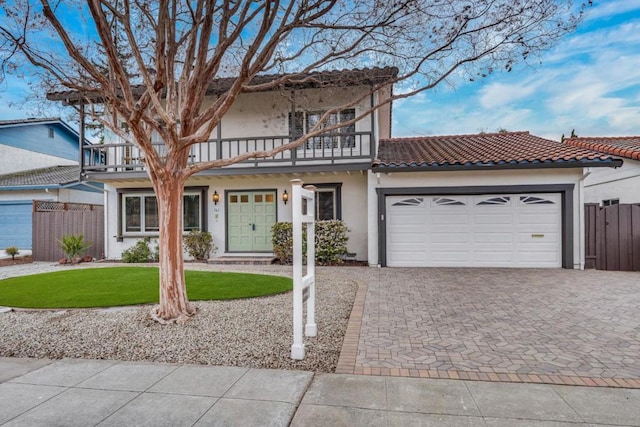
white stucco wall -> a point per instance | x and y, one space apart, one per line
267 113
354 200
16 159
621 183
474 179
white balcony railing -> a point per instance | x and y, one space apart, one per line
331 148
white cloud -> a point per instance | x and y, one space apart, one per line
609 8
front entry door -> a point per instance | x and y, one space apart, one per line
250 217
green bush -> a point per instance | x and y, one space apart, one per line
73 246
331 242
140 252
282 239
12 251
199 244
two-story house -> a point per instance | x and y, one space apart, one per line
39 160
503 200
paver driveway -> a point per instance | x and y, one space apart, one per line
498 324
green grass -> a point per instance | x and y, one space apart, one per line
116 286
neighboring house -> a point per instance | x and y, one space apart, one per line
612 186
38 161
501 200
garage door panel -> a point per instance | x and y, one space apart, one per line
450 219
441 238
406 220
492 258
483 230
407 238
492 219
450 259
15 224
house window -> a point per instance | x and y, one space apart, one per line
328 201
140 213
51 133
610 202
341 137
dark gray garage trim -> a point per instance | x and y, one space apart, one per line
566 191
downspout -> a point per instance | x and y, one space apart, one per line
581 220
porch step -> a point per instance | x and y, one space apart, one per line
228 260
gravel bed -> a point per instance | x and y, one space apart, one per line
254 332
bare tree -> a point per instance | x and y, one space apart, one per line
151 64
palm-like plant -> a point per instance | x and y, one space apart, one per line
73 246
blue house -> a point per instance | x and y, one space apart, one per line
39 160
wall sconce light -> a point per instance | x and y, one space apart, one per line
285 197
215 197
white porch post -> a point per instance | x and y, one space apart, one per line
303 286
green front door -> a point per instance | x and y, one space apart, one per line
250 215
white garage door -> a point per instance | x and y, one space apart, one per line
514 230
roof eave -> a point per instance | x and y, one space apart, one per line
614 163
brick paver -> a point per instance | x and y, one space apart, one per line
511 325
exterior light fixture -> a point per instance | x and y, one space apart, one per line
215 197
285 197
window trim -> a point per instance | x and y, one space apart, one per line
338 133
336 188
610 202
143 192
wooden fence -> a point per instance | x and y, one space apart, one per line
52 220
612 237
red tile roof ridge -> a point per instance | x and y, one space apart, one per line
603 137
408 138
624 146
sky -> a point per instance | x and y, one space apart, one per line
590 82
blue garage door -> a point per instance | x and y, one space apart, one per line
15 224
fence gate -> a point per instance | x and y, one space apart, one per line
612 237
52 220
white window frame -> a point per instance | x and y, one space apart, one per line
334 137
142 196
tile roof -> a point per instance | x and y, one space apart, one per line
51 176
327 78
623 146
499 150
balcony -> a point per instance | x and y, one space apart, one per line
330 149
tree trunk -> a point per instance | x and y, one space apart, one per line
174 305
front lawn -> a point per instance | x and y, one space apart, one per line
117 286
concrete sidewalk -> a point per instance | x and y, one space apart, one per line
75 392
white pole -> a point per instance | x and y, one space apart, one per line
297 348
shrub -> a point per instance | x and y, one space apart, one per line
331 242
13 251
73 246
282 239
140 252
199 244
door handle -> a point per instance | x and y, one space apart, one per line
253 227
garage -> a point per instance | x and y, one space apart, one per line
15 224
485 230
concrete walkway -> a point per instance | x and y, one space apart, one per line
75 392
